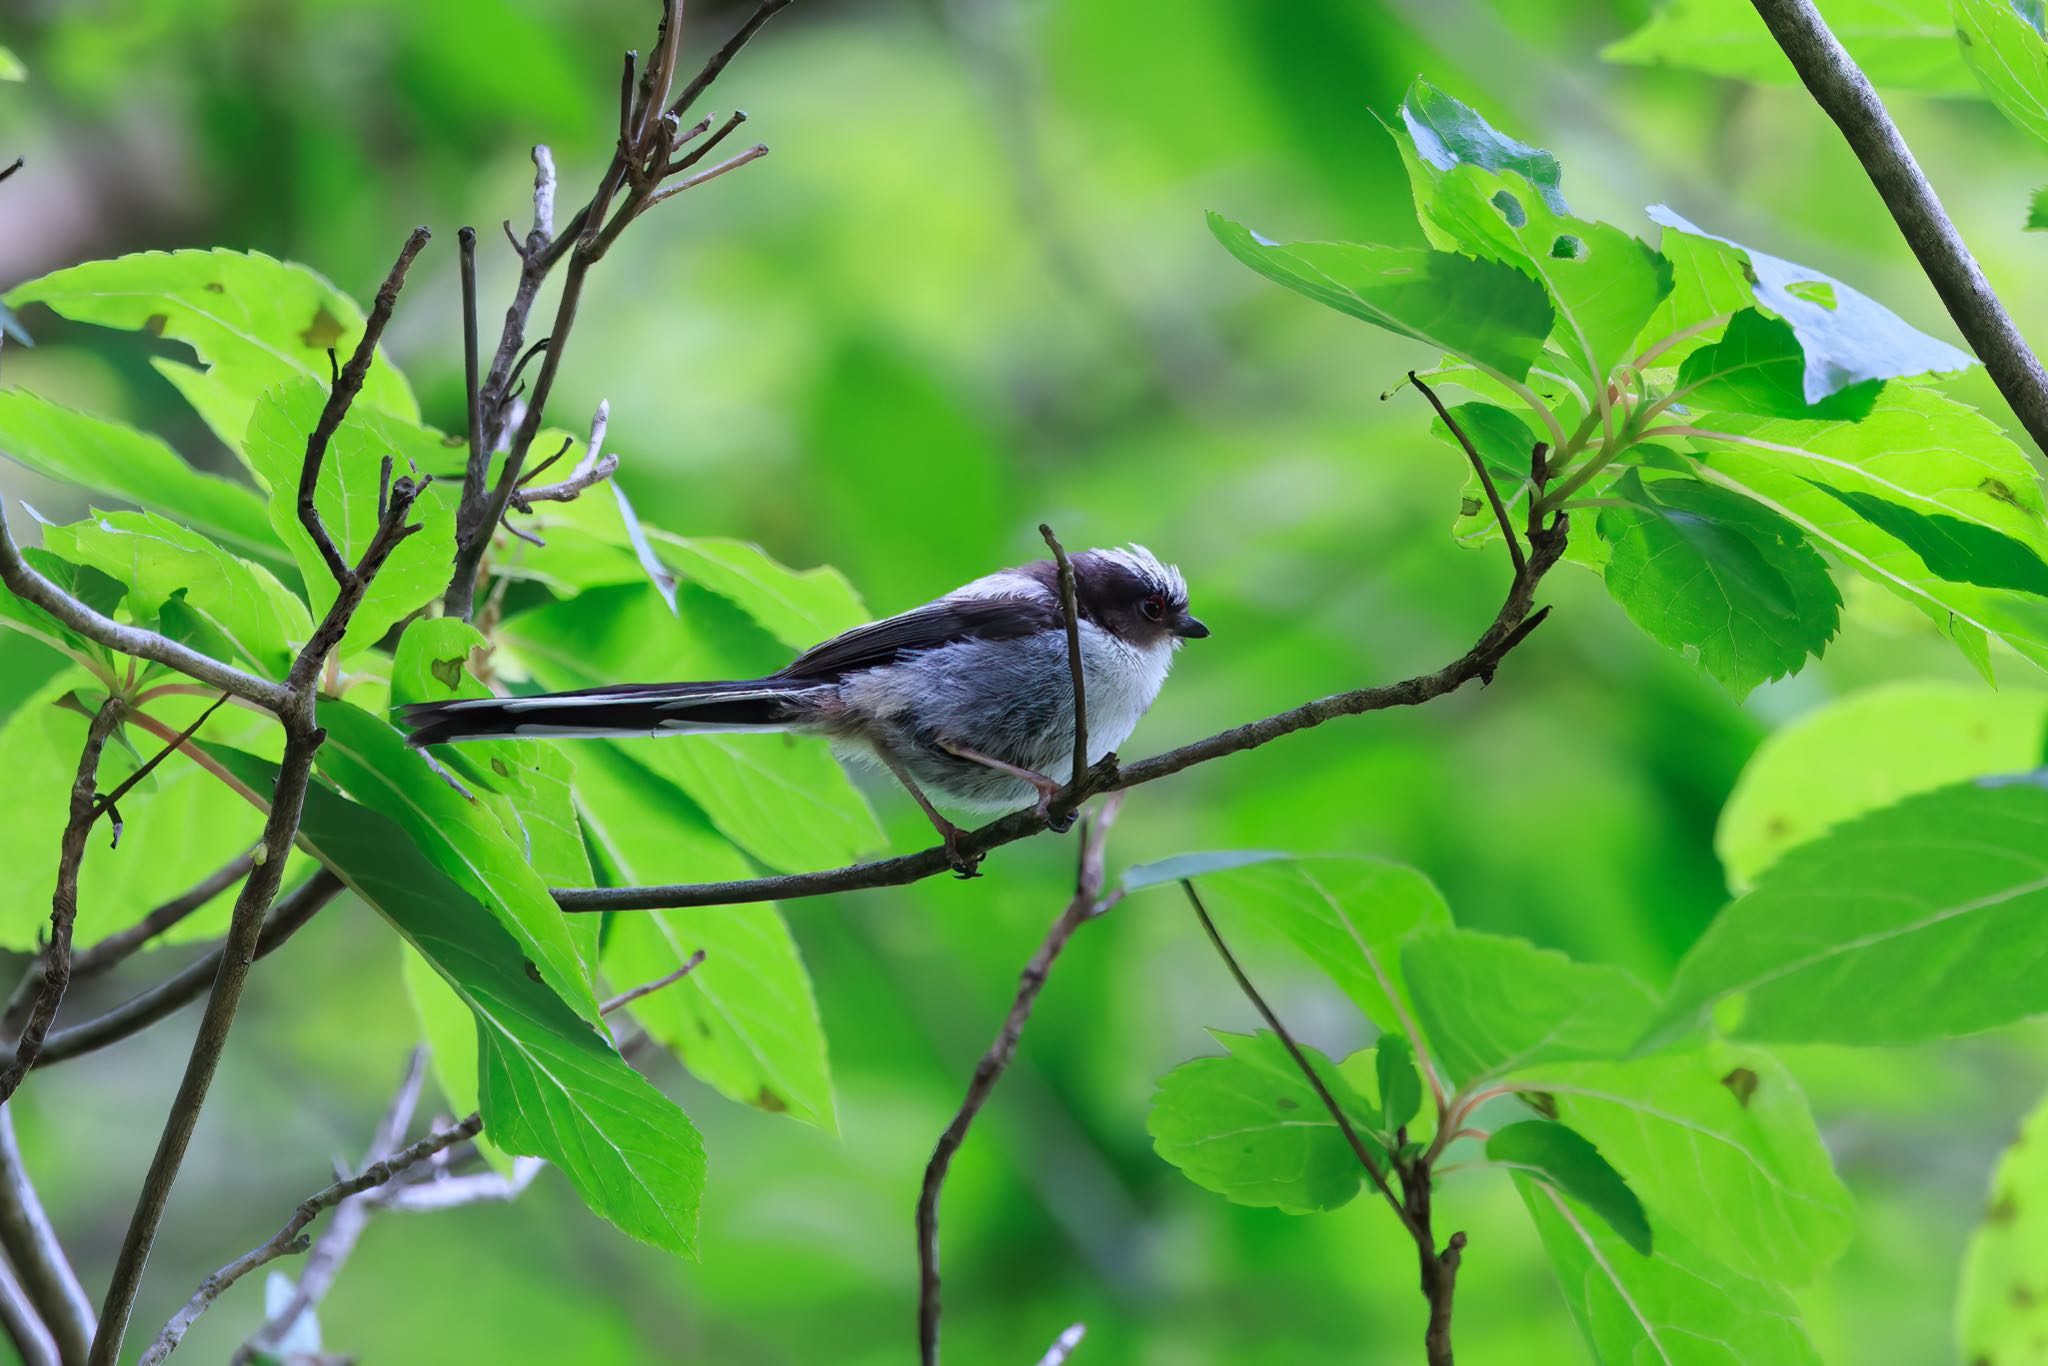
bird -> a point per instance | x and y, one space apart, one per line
969 696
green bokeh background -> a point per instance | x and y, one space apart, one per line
970 290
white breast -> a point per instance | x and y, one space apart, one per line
1122 681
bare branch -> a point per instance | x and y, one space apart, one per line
64 902
1509 628
109 801
1063 1346
626 998
30 1241
1071 611
11 168
1500 511
722 58
543 194
449 1192
346 386
1841 89
18 1319
600 425
1088 880
478 468
754 153
709 145
287 1240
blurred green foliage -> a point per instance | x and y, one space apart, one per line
972 289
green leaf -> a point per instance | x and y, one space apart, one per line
242 603
255 321
2001 1312
1493 1006
1250 1128
181 824
745 1020
1921 921
1447 134
351 477
1717 576
549 1084
373 764
1505 442
1400 1084
1485 312
109 458
1181 867
1719 1143
1348 913
1848 338
1553 1153
11 68
1900 44
1603 284
1678 1308
89 585
2037 212
1759 367
2007 55
781 798
1865 751
799 607
1956 550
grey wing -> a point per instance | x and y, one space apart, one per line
945 622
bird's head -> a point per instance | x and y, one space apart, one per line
1133 596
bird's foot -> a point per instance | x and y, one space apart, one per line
1059 822
965 863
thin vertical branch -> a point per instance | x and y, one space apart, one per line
31 1244
84 811
1845 94
18 1319
1070 609
478 467
1087 902
1500 511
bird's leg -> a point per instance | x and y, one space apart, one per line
963 862
1047 788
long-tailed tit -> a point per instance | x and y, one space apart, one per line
969 696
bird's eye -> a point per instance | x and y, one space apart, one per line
1153 607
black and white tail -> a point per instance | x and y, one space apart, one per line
628 709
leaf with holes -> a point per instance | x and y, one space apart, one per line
745 1020
1758 367
1848 338
1485 312
1924 920
1250 1127
1554 1154
351 481
256 322
549 1084
1677 1308
1712 574
2009 58
1443 134
1719 1144
1492 1006
1900 44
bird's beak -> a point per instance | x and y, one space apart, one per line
1190 629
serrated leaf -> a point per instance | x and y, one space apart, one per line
2006 53
1952 548
1865 751
1924 920
550 1085
1506 443
1677 1308
745 1020
1348 913
1758 367
1493 1006
242 602
799 607
1847 337
1482 311
1400 1085
1556 1155
1900 44
1709 573
351 476
1603 284
110 458
372 763
781 798
1250 1127
2001 1307
1444 133
255 320
1718 1142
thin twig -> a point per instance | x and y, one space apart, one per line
1063 1346
710 144
110 800
64 901
478 467
733 163
720 59
1509 628
1070 610
1841 89
570 489
1500 510
11 168
1088 880
287 1239
25 1331
346 386
626 998
31 1244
